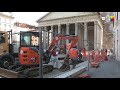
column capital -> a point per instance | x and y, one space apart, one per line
67 23
52 26
59 24
95 22
85 23
45 27
76 23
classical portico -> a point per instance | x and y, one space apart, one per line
87 25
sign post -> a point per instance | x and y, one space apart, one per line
40 54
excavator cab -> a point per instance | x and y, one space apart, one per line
29 55
29 49
29 45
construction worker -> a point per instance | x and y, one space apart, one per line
74 54
54 58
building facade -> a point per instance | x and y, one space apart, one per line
20 27
107 30
116 36
6 21
17 28
87 25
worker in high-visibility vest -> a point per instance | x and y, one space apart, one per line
54 58
74 54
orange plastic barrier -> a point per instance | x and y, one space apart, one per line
94 58
104 55
97 57
84 76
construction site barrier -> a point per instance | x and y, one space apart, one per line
94 58
104 55
84 76
97 57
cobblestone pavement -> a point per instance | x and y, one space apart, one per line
107 69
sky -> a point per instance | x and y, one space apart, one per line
28 17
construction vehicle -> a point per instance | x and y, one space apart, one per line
28 55
12 61
6 52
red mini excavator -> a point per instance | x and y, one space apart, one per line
29 52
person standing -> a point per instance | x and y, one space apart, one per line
106 56
74 54
54 58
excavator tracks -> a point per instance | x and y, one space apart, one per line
4 73
21 72
33 72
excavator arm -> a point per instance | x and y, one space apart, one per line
47 54
74 40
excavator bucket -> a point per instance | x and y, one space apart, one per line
66 65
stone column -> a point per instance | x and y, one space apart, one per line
77 32
42 28
99 38
67 31
95 35
59 31
85 36
51 32
76 29
44 39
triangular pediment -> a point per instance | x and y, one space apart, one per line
58 15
